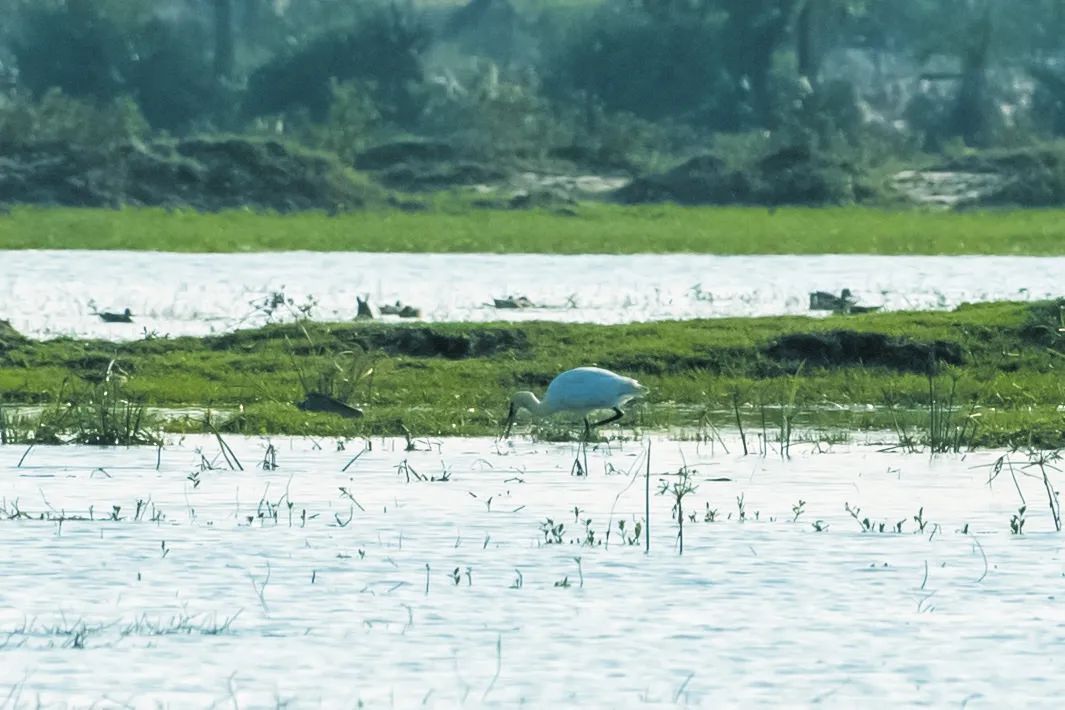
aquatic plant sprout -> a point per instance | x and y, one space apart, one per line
321 577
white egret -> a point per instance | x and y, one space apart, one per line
581 390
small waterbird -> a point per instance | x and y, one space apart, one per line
581 390
365 310
124 317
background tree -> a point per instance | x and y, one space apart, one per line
76 46
384 47
809 71
224 47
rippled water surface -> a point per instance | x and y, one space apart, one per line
310 585
50 293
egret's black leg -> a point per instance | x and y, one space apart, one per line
618 414
512 415
582 451
577 469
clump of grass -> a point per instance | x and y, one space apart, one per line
947 426
906 439
104 414
788 411
1040 461
334 374
49 425
950 430
182 624
679 488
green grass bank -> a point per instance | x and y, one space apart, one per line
589 228
993 370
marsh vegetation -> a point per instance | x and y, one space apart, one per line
222 465
979 375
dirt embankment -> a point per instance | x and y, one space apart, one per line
1026 177
203 174
406 340
560 177
843 348
231 172
792 176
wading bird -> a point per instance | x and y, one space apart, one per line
581 390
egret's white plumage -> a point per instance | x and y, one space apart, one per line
580 390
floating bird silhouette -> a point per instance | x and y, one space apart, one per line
844 303
581 390
124 317
513 302
401 310
366 311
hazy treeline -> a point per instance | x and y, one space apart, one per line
615 77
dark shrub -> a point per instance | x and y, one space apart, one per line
74 47
384 48
704 179
794 175
653 68
798 176
387 155
172 78
1032 177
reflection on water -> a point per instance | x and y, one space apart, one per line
312 585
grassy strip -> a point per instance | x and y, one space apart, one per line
593 228
456 378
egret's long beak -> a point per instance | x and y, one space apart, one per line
512 414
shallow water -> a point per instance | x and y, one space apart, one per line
48 293
334 608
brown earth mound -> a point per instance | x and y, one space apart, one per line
1029 177
795 176
204 174
425 341
411 340
418 177
841 348
388 155
417 166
